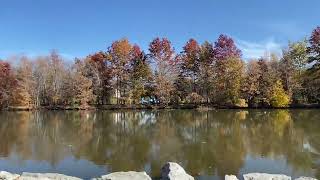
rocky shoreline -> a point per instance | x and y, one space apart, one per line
170 171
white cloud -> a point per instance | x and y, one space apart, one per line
258 49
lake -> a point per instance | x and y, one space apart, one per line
208 144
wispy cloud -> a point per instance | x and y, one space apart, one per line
258 49
287 29
32 54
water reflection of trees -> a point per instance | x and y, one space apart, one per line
205 142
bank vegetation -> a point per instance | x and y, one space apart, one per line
207 74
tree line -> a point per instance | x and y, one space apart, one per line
207 73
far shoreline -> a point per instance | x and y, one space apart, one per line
114 107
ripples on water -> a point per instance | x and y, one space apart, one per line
208 144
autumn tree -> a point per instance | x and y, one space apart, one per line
83 85
206 70
189 67
55 79
50 80
211 73
162 53
119 55
228 71
265 83
98 69
183 88
140 74
58 81
274 67
67 93
293 65
260 78
314 49
41 75
225 48
313 74
258 82
279 97
8 83
26 83
233 80
250 86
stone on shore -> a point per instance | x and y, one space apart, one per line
230 177
173 171
130 175
305 178
46 176
170 171
265 176
8 176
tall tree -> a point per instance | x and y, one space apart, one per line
268 75
162 53
98 69
206 71
41 75
8 83
190 58
314 48
225 48
250 87
57 75
292 66
51 80
26 83
140 74
228 68
83 85
313 75
119 54
265 83
258 81
231 81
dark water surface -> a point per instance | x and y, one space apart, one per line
208 144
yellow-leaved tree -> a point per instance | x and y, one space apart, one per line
279 98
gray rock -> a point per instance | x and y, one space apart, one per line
46 176
130 175
230 177
8 176
264 176
173 171
305 178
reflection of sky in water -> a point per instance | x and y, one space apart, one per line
207 144
86 169
267 165
308 147
68 166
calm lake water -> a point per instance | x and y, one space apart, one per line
208 144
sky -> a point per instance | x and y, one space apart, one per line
77 28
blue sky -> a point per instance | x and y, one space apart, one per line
77 28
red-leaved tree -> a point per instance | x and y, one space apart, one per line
162 53
225 48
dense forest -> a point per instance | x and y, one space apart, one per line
213 74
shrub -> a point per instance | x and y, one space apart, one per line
241 103
279 98
194 98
